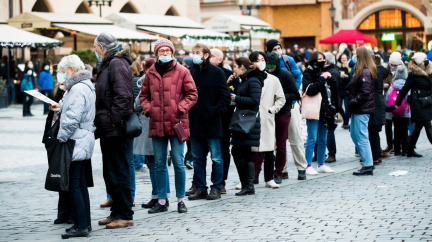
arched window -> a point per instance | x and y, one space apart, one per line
390 19
128 8
83 8
172 12
41 6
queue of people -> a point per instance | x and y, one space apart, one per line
200 99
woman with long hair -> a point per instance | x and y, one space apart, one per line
361 105
248 96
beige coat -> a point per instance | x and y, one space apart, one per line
272 99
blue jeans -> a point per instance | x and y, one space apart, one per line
411 127
360 137
160 145
139 161
151 165
131 164
345 113
331 143
317 132
200 149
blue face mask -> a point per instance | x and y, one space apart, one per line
46 68
66 78
98 57
197 59
165 59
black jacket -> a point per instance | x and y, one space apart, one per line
249 97
378 117
289 87
334 71
361 96
205 116
114 94
419 82
343 82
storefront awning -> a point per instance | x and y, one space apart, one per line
179 32
120 33
17 38
134 21
348 36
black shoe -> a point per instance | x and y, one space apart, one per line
284 175
301 175
76 233
63 221
198 195
256 180
404 154
365 170
213 195
150 204
277 179
73 227
158 208
181 207
245 192
397 153
414 154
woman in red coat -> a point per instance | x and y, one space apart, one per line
167 94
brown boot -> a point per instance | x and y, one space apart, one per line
106 221
107 203
120 223
191 191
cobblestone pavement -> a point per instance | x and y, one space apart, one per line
326 207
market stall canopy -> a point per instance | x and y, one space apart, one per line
21 38
134 21
122 34
349 36
239 23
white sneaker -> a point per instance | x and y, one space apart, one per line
324 169
238 187
272 184
311 171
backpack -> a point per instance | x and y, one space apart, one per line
400 111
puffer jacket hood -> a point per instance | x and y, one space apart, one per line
78 77
399 83
419 70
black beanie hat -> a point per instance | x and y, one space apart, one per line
273 59
271 44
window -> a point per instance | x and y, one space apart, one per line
391 18
412 22
368 23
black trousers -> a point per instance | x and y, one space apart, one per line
400 134
79 194
225 145
116 176
416 133
374 140
27 102
389 132
242 156
64 206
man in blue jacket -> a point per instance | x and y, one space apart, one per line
294 129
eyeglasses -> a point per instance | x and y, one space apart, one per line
167 51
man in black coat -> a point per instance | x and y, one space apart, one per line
216 59
206 122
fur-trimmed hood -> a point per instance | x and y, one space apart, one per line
419 70
80 76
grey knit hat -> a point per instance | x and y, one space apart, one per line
401 73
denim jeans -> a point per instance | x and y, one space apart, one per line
151 165
131 165
331 143
317 132
160 145
139 161
200 149
344 113
79 194
360 137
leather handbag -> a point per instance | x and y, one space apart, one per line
425 102
311 105
180 132
132 123
243 120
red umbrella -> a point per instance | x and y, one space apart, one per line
348 36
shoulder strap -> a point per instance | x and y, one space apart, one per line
286 61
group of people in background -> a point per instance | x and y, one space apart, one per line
200 94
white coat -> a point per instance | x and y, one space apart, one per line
272 100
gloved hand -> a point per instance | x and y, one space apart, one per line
390 108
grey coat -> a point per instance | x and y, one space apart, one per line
142 144
77 115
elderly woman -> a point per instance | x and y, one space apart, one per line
77 112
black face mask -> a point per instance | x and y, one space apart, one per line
319 65
426 63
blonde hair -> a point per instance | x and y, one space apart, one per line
364 59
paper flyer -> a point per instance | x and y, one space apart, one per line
40 96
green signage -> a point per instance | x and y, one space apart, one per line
388 37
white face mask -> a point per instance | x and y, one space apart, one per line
261 65
60 77
279 53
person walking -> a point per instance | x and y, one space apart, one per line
46 83
315 81
77 112
361 105
282 118
167 94
272 100
114 102
206 122
248 97
27 85
419 83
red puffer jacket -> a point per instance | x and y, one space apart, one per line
167 100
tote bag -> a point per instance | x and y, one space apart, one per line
243 120
311 105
